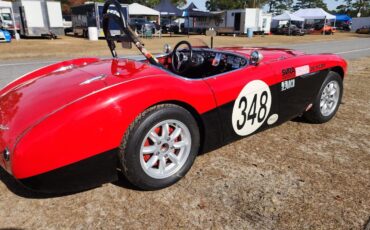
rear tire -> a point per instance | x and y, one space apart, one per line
327 101
159 147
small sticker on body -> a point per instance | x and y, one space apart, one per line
302 70
273 119
285 85
288 73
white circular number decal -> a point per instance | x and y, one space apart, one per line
251 108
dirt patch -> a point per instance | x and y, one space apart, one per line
295 176
77 47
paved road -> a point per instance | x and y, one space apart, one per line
349 49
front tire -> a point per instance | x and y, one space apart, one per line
159 147
327 101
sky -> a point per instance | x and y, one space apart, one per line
332 4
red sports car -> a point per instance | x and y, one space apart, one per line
77 124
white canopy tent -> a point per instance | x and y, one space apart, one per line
140 10
286 16
314 13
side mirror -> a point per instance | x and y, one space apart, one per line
167 49
256 57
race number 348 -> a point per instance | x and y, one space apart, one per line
251 108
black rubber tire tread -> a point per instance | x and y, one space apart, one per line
129 166
314 114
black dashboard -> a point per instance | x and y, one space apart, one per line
218 58
207 63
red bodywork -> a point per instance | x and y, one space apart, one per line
73 110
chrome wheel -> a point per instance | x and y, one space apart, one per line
165 149
329 98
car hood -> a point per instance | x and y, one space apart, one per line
28 103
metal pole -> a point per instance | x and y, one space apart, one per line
170 26
188 26
16 35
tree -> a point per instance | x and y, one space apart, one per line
211 5
279 6
302 4
345 8
353 7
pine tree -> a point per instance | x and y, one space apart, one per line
353 7
303 4
279 6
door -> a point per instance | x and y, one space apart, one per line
300 83
247 101
237 18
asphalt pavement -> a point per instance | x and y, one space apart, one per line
349 49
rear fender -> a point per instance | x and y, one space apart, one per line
97 123
64 65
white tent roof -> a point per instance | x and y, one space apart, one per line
5 4
314 13
286 16
137 9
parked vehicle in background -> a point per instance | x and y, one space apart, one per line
290 30
345 26
39 18
363 30
5 36
67 24
90 15
6 17
240 20
141 24
169 26
321 29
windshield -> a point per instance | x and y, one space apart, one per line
6 16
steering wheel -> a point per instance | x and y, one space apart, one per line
181 60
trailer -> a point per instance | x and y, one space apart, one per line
240 20
90 15
231 22
7 17
39 18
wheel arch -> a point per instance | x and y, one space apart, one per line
193 112
339 70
